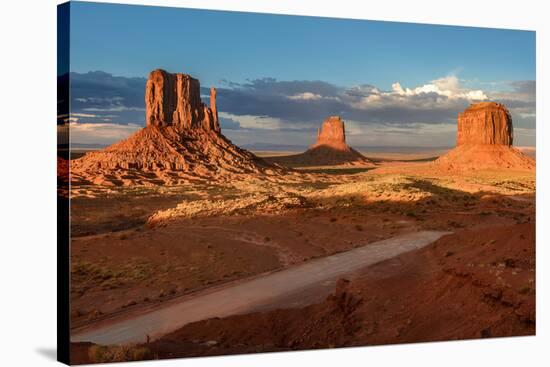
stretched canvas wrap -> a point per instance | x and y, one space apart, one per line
238 182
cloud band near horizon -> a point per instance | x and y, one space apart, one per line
106 108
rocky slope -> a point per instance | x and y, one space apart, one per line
182 142
330 149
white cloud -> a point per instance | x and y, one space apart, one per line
100 133
83 115
255 122
307 96
118 108
449 86
440 94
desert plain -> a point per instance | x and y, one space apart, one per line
426 246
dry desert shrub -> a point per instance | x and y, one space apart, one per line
119 353
250 203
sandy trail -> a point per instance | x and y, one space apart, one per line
274 289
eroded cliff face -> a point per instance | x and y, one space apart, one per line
484 141
332 133
174 100
486 123
181 143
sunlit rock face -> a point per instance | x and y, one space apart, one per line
486 123
484 141
181 142
332 133
174 100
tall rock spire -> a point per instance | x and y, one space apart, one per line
174 100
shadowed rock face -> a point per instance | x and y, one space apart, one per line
332 133
486 123
174 100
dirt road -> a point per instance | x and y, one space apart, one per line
267 291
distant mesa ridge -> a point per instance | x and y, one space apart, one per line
484 139
330 149
181 142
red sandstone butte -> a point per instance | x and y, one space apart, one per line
332 133
330 149
484 141
485 123
181 142
174 100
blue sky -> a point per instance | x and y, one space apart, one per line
279 57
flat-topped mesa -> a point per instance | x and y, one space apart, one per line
332 133
174 100
485 123
484 141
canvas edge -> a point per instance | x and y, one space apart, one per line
63 205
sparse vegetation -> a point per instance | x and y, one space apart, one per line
108 354
364 205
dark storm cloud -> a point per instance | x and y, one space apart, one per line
407 115
526 87
260 103
229 124
100 97
521 101
306 102
300 105
271 86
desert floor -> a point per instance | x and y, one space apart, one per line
138 249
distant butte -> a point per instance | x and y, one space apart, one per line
332 133
484 139
330 149
181 142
